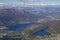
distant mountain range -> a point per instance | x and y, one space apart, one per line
17 15
46 13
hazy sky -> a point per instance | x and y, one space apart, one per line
30 1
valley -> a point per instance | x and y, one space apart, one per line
29 23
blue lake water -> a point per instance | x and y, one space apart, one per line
21 27
42 32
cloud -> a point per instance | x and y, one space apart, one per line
1 4
36 2
27 1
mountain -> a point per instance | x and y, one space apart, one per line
12 15
9 16
46 13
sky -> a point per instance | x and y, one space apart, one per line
31 2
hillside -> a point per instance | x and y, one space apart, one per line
54 26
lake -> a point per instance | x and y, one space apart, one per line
42 32
21 27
